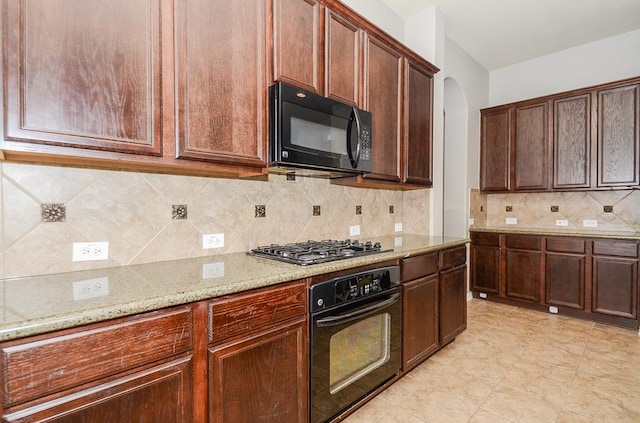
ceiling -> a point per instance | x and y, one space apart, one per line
499 33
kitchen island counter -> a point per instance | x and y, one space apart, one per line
39 304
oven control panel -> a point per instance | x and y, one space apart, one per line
349 288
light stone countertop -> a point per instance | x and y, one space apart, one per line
39 304
570 232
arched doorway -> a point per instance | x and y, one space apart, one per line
455 193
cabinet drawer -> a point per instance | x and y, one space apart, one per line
615 248
485 239
453 257
242 313
51 364
523 242
419 266
566 245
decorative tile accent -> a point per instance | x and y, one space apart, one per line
261 211
509 208
555 209
390 209
179 211
53 212
608 209
316 210
358 209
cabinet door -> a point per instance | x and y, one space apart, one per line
564 280
618 136
418 155
485 269
221 72
615 286
297 49
572 142
523 271
453 303
83 74
160 394
262 378
343 46
495 150
420 321
531 147
383 84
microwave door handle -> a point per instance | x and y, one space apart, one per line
344 318
354 158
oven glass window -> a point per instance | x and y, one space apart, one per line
359 349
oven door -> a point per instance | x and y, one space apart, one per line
355 348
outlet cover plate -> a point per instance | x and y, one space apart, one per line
398 227
212 241
511 220
354 230
90 251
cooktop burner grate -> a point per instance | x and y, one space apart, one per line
313 252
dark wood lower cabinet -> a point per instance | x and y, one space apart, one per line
160 394
595 279
453 303
420 320
435 302
261 378
485 260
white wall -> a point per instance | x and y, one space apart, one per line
602 61
380 14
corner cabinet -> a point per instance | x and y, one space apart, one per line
582 139
435 302
136 85
590 278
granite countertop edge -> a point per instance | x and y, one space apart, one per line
575 233
277 273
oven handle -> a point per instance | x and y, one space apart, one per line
344 318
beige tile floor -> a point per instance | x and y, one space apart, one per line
514 365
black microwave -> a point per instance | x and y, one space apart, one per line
317 134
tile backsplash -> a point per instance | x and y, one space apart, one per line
152 217
613 210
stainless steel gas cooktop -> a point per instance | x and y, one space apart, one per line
313 252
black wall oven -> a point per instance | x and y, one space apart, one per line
356 338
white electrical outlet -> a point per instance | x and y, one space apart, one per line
511 221
90 288
213 270
354 230
212 241
562 222
398 227
590 223
88 251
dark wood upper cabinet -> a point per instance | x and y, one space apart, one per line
572 141
297 43
495 149
618 136
221 116
343 51
83 74
582 139
418 148
383 98
531 147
